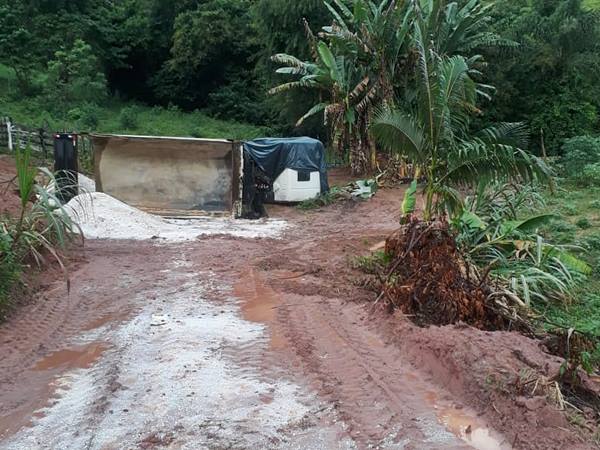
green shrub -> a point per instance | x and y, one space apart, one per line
524 250
85 117
324 199
561 226
578 152
583 223
570 210
596 266
75 75
198 132
128 118
595 204
373 263
591 174
593 241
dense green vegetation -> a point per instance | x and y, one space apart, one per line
118 116
579 224
214 56
211 56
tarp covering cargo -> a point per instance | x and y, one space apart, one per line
169 175
274 155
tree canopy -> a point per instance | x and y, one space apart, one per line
542 56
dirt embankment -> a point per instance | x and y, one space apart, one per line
359 376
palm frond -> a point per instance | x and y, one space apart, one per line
509 133
399 132
311 112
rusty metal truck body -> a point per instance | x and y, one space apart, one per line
170 175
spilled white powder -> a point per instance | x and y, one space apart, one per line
101 216
86 184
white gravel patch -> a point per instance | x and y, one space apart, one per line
101 216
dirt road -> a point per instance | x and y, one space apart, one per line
228 342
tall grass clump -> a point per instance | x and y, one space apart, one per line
38 234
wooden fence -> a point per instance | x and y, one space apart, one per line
41 140
14 135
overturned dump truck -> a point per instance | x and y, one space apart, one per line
174 176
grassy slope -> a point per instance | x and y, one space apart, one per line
580 208
591 4
148 120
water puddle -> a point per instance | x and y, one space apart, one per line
260 304
74 358
43 383
464 424
107 319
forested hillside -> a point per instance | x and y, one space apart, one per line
83 61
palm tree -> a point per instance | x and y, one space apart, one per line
355 65
436 134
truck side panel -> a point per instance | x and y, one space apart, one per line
168 174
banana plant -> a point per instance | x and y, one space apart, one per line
355 64
455 29
343 87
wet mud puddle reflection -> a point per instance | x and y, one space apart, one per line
465 424
81 357
44 382
259 304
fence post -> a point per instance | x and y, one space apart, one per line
9 133
41 132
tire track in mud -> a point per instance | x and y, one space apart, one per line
99 296
58 314
382 398
367 382
310 340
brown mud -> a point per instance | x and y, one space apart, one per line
378 381
9 199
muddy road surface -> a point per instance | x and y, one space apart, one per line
230 342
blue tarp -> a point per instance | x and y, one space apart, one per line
274 155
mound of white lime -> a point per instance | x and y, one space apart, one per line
86 184
101 216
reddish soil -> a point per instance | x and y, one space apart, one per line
9 198
390 383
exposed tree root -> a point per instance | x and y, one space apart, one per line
428 279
